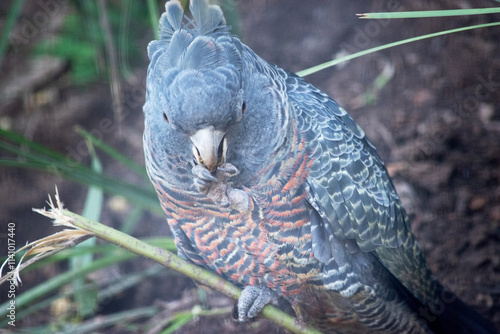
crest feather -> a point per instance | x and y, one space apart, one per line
202 53
209 19
171 20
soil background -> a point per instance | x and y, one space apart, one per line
435 121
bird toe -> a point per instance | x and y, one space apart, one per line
252 301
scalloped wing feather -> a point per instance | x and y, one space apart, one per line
352 193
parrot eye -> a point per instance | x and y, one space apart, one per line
165 117
243 107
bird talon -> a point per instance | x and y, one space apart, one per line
202 185
203 173
227 170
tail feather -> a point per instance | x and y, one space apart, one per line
449 316
457 317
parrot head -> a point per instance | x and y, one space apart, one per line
195 80
205 100
203 104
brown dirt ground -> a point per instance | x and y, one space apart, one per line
436 123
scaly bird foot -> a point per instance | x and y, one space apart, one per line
252 301
203 179
215 187
238 199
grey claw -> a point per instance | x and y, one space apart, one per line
199 182
201 185
228 169
203 173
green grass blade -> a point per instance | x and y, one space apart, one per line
230 9
142 196
334 62
106 291
96 325
93 325
86 299
93 202
429 13
165 243
12 16
6 135
178 320
46 287
113 153
154 17
34 156
131 221
124 39
124 282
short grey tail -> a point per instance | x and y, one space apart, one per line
459 318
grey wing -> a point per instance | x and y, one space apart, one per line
351 191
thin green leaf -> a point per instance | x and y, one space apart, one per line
154 17
334 62
429 13
124 39
132 220
165 243
12 16
141 196
34 156
94 200
21 141
178 320
113 153
107 290
101 322
52 284
124 282
86 299
230 9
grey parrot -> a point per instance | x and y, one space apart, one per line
269 183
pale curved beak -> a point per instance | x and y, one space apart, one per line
209 147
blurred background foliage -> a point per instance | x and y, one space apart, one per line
81 39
